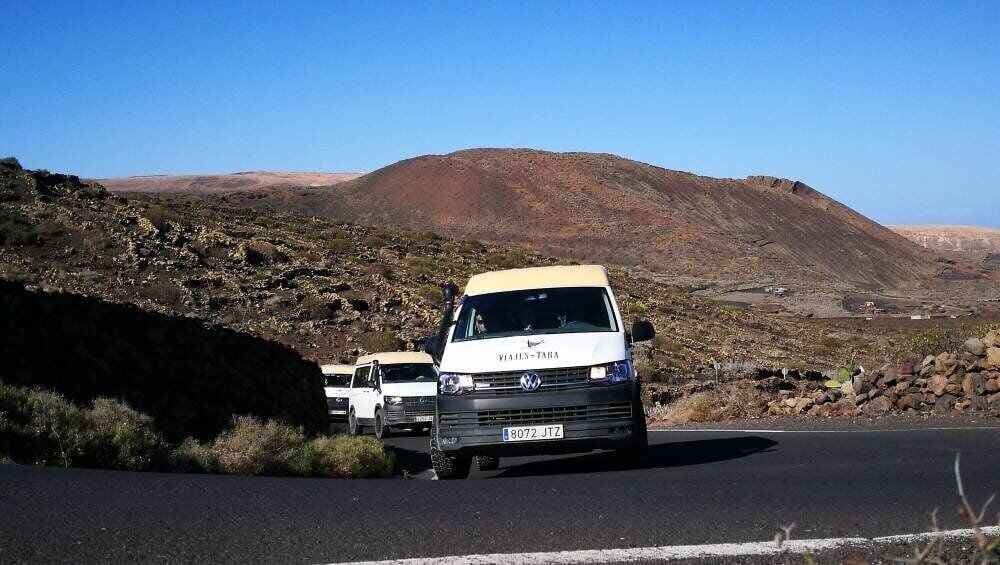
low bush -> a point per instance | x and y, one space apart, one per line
340 246
376 342
253 447
43 428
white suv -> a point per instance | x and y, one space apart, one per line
337 385
389 390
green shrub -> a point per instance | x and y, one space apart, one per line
253 447
123 438
347 456
340 246
374 241
44 428
193 457
375 342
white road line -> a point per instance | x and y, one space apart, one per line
664 553
871 431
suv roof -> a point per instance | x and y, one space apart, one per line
337 369
394 357
537 277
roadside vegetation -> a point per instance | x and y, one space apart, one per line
40 427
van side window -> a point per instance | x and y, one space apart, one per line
361 377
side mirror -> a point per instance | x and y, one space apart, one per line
642 331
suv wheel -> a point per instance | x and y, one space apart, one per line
352 424
487 463
445 466
635 452
381 430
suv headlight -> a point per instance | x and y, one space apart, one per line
393 400
612 373
455 383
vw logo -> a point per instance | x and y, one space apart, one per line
530 381
425 400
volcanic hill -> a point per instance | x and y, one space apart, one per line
600 207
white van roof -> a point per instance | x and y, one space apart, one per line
337 369
395 357
537 277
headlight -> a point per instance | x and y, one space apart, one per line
612 373
393 400
454 383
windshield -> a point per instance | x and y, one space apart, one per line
532 312
409 373
336 380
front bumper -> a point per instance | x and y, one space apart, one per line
336 410
415 410
598 417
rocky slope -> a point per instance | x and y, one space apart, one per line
605 208
211 184
329 290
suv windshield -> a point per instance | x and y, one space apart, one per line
409 373
336 380
532 312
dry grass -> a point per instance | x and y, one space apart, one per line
737 400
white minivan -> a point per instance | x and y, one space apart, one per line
392 390
534 361
337 386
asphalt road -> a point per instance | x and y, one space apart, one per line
697 487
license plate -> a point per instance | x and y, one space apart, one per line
423 419
533 433
338 411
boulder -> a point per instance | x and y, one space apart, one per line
975 346
877 406
861 383
910 401
993 358
902 387
978 403
927 361
861 398
992 339
953 388
945 402
973 384
937 384
885 381
992 385
905 368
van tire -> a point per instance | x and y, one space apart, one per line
637 449
487 462
381 430
352 424
445 466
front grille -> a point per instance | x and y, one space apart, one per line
412 406
509 382
537 416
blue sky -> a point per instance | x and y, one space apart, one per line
891 107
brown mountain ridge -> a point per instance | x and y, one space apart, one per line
601 207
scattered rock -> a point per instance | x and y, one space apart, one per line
975 346
877 406
993 358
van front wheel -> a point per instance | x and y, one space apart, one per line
381 430
352 424
445 466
